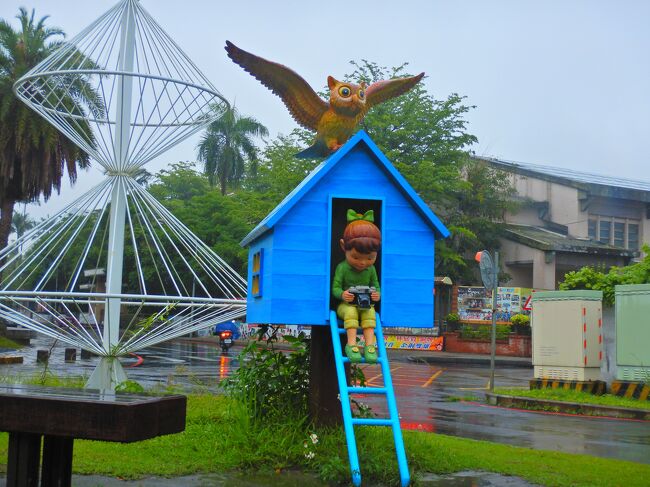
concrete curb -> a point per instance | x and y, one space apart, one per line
439 358
566 407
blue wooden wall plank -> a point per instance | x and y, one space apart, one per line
400 217
297 312
301 262
417 290
299 236
411 315
401 241
299 286
406 266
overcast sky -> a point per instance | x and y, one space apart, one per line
561 83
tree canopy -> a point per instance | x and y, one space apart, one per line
426 139
33 154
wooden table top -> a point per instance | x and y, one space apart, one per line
90 414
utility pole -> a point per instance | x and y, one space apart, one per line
490 276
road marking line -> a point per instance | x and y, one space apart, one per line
368 381
432 378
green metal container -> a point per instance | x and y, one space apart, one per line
633 332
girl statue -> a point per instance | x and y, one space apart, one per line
361 242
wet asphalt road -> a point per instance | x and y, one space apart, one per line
445 399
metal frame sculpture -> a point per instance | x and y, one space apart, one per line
124 92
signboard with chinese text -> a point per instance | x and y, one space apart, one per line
414 342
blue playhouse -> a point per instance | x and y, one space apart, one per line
293 253
294 250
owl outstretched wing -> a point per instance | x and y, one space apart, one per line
305 106
382 91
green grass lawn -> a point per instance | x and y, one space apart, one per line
220 437
569 395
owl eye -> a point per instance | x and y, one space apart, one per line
361 94
344 91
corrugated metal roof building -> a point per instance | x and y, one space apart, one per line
568 219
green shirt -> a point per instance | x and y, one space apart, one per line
346 276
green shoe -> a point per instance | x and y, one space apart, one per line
353 353
370 354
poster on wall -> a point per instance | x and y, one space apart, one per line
510 301
475 303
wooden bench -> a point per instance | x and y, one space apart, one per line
56 416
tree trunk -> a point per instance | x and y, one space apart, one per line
6 216
324 405
222 184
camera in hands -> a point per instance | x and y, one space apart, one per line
362 296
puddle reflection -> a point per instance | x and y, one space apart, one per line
224 367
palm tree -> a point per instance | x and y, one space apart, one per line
33 154
227 146
22 222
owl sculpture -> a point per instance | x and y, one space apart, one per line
334 122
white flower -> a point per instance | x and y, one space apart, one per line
310 455
314 438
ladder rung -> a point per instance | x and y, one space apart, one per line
372 422
367 390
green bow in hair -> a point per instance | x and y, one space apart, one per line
368 216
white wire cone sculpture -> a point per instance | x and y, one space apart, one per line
115 271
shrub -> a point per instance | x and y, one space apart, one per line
520 320
597 279
452 318
272 384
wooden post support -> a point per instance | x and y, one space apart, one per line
23 459
56 470
85 354
324 405
70 354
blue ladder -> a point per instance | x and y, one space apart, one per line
348 421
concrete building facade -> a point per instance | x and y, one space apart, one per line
567 219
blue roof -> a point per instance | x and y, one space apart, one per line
319 172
